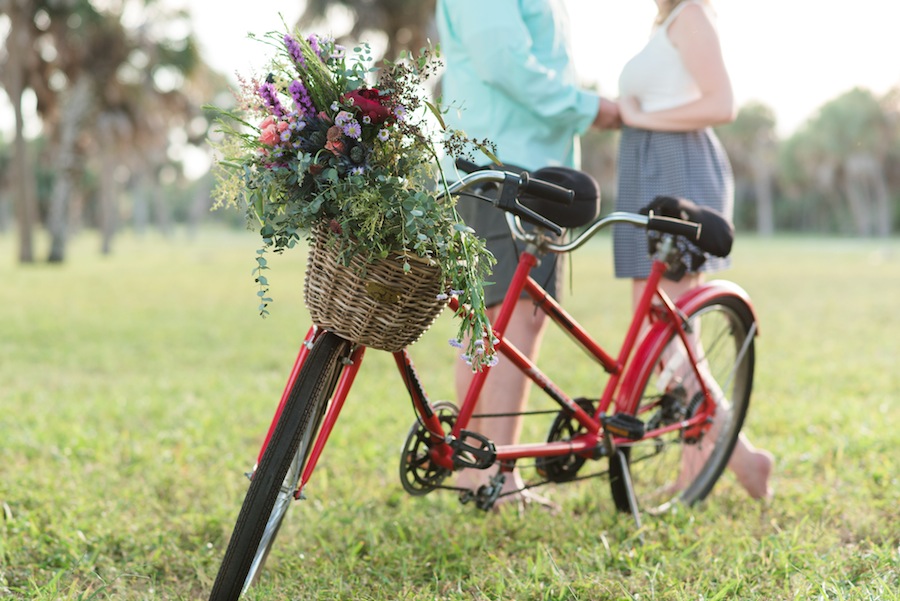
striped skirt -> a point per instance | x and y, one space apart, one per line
690 165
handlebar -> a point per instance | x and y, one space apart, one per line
551 192
671 225
513 184
528 184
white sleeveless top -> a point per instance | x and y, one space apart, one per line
656 75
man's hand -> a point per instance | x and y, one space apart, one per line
608 115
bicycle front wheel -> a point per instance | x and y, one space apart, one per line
275 479
683 465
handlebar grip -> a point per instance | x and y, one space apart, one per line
670 225
547 190
466 166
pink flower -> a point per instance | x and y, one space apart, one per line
268 134
336 147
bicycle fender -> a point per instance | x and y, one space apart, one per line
657 336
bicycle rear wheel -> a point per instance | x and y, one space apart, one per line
275 479
684 465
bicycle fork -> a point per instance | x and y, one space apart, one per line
352 364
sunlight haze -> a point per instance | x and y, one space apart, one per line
793 55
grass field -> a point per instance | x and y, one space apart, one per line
135 390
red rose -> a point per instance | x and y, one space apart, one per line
370 103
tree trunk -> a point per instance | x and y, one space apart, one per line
4 207
858 172
200 204
76 108
882 209
23 184
108 189
140 210
762 188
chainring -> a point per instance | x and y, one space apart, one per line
418 474
564 468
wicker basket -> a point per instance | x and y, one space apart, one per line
376 304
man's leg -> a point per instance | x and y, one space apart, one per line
505 391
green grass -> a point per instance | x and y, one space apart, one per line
135 390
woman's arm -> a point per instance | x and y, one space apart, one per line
694 36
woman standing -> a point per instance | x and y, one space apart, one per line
672 93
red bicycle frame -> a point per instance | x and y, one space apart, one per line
654 318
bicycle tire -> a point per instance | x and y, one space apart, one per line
659 466
275 479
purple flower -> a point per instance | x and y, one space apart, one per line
314 43
353 129
293 49
301 98
383 135
270 97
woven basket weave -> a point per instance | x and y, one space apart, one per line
374 304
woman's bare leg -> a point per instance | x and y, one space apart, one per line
751 466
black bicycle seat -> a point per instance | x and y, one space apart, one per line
716 232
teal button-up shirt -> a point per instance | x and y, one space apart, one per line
510 79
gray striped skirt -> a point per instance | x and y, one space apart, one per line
690 165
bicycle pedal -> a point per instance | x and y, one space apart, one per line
624 426
467 455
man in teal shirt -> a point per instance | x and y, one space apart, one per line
510 79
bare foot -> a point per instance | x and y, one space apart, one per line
752 468
512 493
524 500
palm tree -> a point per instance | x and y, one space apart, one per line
407 24
103 74
90 47
861 136
751 143
16 65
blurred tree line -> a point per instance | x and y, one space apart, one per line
119 88
838 173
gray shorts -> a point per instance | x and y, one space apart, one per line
490 223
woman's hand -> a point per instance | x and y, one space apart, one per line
630 111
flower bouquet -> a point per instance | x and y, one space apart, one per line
327 148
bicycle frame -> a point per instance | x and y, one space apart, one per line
654 318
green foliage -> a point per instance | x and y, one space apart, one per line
316 146
130 416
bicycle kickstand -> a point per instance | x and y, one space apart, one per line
616 454
629 487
